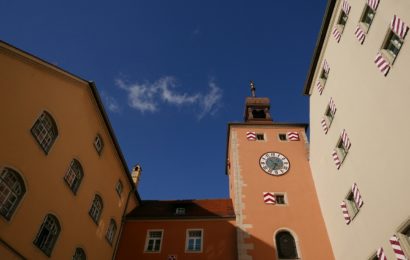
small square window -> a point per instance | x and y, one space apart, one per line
392 46
260 137
153 241
119 187
351 205
341 150
194 240
98 144
404 237
367 18
280 199
180 211
283 137
342 19
329 116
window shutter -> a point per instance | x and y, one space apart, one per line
382 64
345 212
356 195
269 198
293 136
251 136
336 34
332 106
320 87
326 66
346 7
324 126
345 140
360 34
398 251
373 4
380 254
399 27
336 159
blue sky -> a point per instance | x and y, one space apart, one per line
172 74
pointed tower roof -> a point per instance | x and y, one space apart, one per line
257 109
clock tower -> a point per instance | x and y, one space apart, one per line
271 186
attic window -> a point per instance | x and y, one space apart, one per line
258 113
180 211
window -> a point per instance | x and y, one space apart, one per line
112 228
280 199
341 150
282 137
258 113
260 137
367 18
96 209
153 242
12 189
48 234
194 240
404 237
45 131
392 46
330 112
342 19
286 245
351 205
119 187
180 211
98 144
74 175
79 254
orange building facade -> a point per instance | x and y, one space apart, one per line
64 184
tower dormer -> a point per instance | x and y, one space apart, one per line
257 109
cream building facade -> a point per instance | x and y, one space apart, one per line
359 91
64 183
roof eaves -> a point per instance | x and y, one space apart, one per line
319 44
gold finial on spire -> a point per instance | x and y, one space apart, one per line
253 88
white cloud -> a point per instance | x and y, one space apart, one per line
110 102
147 97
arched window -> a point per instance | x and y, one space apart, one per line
45 131
112 228
74 175
48 234
79 254
12 190
286 246
96 208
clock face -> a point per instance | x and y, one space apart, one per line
274 163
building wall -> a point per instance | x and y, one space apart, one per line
258 222
28 87
372 109
219 239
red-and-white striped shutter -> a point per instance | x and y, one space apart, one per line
398 251
251 136
336 34
360 34
320 87
326 66
399 27
332 106
373 4
346 7
293 136
356 196
345 212
336 159
380 254
382 64
324 126
269 198
345 140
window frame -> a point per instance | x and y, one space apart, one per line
341 150
362 22
341 26
329 115
194 238
96 216
386 52
404 239
351 205
283 135
260 135
111 231
11 191
38 128
285 200
295 241
180 211
98 144
74 185
148 238
79 252
41 244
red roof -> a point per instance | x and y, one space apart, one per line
167 209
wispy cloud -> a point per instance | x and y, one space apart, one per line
110 102
148 97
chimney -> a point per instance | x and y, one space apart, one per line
136 174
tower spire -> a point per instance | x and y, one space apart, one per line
252 84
